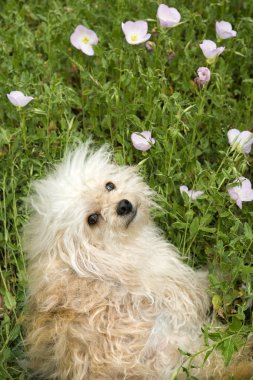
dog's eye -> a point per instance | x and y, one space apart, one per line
110 186
92 219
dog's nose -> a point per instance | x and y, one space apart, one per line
124 207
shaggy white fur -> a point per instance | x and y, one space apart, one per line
109 298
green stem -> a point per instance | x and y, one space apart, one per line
202 95
186 230
82 87
171 154
23 126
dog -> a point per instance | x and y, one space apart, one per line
108 297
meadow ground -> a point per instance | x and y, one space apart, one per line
122 89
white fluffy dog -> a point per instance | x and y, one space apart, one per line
109 298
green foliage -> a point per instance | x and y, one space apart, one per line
120 90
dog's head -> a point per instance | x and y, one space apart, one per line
89 198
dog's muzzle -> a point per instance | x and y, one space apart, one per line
125 208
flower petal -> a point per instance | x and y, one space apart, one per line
168 17
233 135
224 30
18 99
87 49
208 47
219 50
135 32
184 189
242 191
79 34
196 194
142 141
246 140
246 190
26 100
239 203
233 194
242 141
147 135
75 40
210 50
138 40
127 27
204 74
13 100
141 27
93 37
192 194
81 30
208 44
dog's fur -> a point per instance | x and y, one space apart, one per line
112 300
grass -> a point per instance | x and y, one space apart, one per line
120 90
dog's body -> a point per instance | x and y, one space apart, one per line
109 298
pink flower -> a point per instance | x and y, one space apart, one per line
168 17
243 192
83 39
191 193
18 99
210 49
135 32
241 141
142 141
224 30
204 75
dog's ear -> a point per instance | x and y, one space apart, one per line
87 260
67 178
84 258
78 254
84 160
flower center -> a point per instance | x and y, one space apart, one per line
85 40
134 37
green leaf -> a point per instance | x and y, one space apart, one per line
179 225
235 325
208 353
248 231
194 227
208 229
14 333
9 300
228 350
206 219
217 302
225 214
246 269
6 354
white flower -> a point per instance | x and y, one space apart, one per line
83 39
18 99
142 141
210 49
243 192
224 30
241 141
191 193
135 32
204 76
168 17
